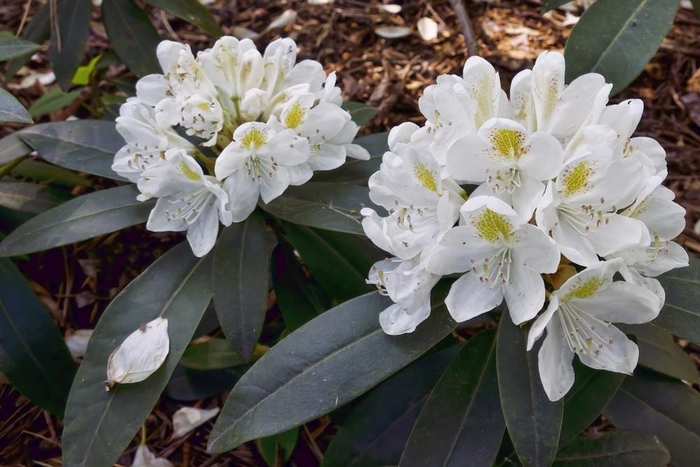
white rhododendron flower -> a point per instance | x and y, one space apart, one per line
562 197
244 126
578 321
140 355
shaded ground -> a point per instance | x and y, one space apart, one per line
387 73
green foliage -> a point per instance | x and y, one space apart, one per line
533 421
33 355
681 314
241 283
11 110
617 38
277 449
552 4
53 100
358 171
614 449
215 354
100 424
69 34
360 113
11 47
191 11
30 197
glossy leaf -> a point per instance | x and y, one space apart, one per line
241 283
552 4
12 148
462 418
191 11
100 424
329 206
592 392
30 197
277 449
69 33
617 38
214 354
298 296
79 219
658 351
53 100
187 384
533 421
375 433
47 173
11 47
360 113
681 313
319 367
132 35
83 145
33 355
11 111
358 171
340 264
37 31
663 407
614 449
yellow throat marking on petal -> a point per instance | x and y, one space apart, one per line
425 176
188 172
492 226
575 179
295 116
204 106
254 139
508 143
584 289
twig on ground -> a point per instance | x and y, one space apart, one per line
467 29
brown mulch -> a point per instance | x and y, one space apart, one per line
387 73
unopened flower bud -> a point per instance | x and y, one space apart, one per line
140 355
254 103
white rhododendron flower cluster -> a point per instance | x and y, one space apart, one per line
215 132
568 219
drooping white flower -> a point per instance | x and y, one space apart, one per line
260 162
187 200
408 284
579 208
512 163
140 355
502 257
578 321
421 205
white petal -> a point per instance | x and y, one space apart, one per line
623 302
617 233
398 319
555 362
187 419
140 355
618 354
544 159
542 321
243 193
145 458
524 293
202 234
469 298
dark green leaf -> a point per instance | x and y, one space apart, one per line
339 262
11 110
191 11
592 392
30 197
33 355
241 283
696 7
37 31
614 449
355 170
12 148
681 313
83 145
319 367
79 219
299 298
667 408
132 35
47 173
188 384
11 47
215 354
329 206
53 100
658 351
533 421
277 449
617 38
70 26
462 418
100 424
552 4
376 432
360 113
